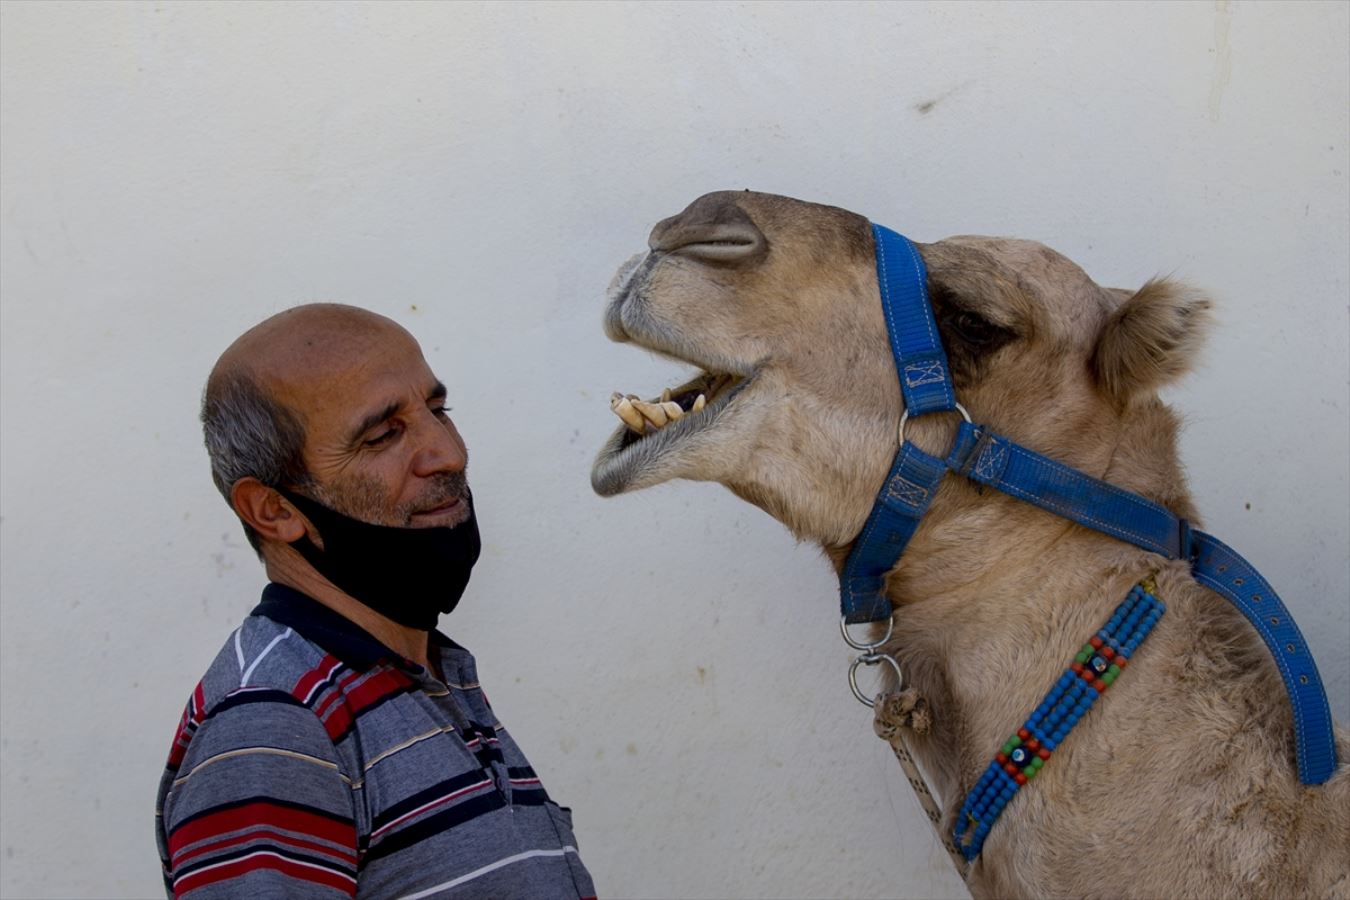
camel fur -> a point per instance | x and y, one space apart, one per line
1182 782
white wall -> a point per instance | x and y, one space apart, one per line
173 173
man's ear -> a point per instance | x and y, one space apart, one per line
1151 339
266 511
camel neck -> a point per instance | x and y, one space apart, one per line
984 652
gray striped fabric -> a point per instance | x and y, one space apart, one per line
312 761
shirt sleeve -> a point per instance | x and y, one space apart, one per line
260 806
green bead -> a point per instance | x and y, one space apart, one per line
1008 747
1030 772
1082 657
1113 671
1108 677
1036 763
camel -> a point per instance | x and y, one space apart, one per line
1182 780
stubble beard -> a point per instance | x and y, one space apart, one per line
363 498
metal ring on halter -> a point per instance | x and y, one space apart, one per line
904 417
872 659
866 648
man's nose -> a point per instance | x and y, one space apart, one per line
440 448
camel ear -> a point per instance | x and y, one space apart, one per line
1151 339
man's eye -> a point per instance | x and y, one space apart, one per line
382 438
441 412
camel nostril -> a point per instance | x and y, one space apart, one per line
710 230
717 243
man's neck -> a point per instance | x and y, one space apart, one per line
285 566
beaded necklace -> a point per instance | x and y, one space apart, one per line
1093 670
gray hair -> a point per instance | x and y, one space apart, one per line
250 434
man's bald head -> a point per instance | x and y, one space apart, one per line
303 342
250 428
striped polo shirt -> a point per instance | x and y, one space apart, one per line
312 761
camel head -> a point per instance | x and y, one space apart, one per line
796 407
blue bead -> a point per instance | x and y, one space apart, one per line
1067 701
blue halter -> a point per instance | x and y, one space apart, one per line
986 458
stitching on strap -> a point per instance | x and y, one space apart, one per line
906 492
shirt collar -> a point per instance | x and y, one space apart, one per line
331 630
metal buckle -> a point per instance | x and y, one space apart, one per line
871 656
904 417
866 648
872 659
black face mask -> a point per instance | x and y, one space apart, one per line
410 575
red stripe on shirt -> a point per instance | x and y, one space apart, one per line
336 693
264 860
314 677
191 718
371 691
261 812
270 834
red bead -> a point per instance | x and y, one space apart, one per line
1077 667
1087 675
1043 753
1099 686
1023 733
1033 744
1011 769
1096 643
1108 652
1000 757
1020 778
1121 659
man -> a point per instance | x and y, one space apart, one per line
339 745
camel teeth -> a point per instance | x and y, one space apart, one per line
700 402
623 408
665 396
673 410
652 412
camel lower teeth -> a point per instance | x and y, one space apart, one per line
623 408
643 417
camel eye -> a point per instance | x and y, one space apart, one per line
973 329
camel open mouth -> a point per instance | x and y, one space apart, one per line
652 430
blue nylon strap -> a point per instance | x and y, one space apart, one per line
899 506
1219 568
925 381
920 361
1015 470
988 459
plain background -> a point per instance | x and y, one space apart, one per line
173 173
